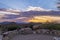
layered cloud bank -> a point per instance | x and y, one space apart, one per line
31 14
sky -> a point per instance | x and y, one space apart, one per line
23 4
27 6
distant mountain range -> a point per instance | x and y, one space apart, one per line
13 22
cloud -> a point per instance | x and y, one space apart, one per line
19 19
31 8
9 14
5 16
22 19
13 18
4 12
12 15
1 16
13 10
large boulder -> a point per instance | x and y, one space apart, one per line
10 34
58 32
44 31
35 27
26 31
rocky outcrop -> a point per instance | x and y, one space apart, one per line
26 31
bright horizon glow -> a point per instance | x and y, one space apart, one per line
44 19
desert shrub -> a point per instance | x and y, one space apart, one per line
12 28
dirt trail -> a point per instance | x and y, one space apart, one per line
33 37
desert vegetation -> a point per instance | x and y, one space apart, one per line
13 26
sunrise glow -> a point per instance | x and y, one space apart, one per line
43 19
